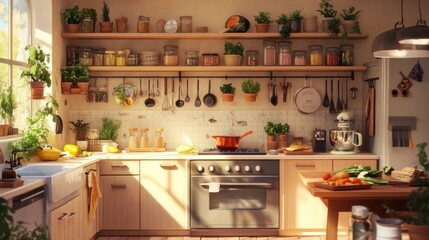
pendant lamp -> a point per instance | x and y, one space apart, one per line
385 44
418 34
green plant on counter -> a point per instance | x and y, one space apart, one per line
227 88
233 48
282 128
250 86
80 128
263 18
72 15
8 104
270 129
110 129
105 12
11 230
38 61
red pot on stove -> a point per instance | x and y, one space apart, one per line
229 142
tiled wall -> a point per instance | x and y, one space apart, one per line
199 125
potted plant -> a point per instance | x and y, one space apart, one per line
89 14
233 53
295 21
250 89
263 21
283 23
37 75
271 131
80 128
81 73
282 130
72 18
328 12
106 26
228 92
110 129
66 80
350 23
8 105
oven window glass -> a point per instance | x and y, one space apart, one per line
238 199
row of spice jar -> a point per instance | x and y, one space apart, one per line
100 57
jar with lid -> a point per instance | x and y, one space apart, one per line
269 53
72 55
109 58
186 24
252 57
133 141
347 54
316 55
121 58
210 59
171 57
332 57
98 57
102 94
92 94
143 24
159 139
87 25
191 58
285 54
85 56
300 58
144 139
132 59
360 227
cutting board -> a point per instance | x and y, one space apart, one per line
342 188
301 152
11 184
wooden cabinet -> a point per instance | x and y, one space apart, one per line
120 187
164 195
90 225
65 222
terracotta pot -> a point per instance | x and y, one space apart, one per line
271 138
325 24
417 232
272 143
121 25
228 97
72 28
262 28
5 129
75 90
83 86
282 137
250 97
232 60
349 26
106 27
65 87
37 90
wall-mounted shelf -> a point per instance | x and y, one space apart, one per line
148 36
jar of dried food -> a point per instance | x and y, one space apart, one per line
191 58
210 59
159 139
85 56
186 24
171 57
98 57
269 53
316 55
252 57
285 54
332 57
300 58
347 54
132 59
121 58
109 58
144 140
72 55
143 24
87 25
133 141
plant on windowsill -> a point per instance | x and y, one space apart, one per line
263 21
72 18
37 74
106 26
228 92
295 21
8 106
350 20
233 53
250 89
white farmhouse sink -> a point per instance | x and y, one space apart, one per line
62 179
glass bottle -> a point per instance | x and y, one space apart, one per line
132 59
85 56
347 54
269 53
143 24
186 24
133 140
285 54
121 58
72 55
98 57
332 57
191 58
170 55
359 223
316 55
144 139
109 58
159 139
300 58
252 57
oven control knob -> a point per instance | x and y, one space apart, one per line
200 168
227 168
237 168
211 168
247 168
257 168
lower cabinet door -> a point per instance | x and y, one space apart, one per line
120 202
65 222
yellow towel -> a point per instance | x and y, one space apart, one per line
95 194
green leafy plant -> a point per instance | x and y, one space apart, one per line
282 19
263 18
285 31
423 158
38 70
80 128
227 88
11 230
250 86
233 48
72 15
350 14
327 9
110 129
105 12
89 12
8 104
282 128
270 129
296 15
334 26
75 73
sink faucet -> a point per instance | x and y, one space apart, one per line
16 161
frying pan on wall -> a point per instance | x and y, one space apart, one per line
307 99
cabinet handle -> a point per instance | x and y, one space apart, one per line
62 216
168 166
116 185
72 214
305 165
119 165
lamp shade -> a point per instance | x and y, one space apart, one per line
418 35
385 45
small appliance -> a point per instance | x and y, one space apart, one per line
344 140
319 140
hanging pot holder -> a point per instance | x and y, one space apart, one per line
416 73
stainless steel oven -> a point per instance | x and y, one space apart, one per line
232 194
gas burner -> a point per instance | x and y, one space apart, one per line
238 151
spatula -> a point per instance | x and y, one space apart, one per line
332 104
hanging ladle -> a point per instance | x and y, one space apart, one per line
149 102
180 102
187 98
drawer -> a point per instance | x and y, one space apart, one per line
118 167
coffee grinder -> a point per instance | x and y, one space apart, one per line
319 140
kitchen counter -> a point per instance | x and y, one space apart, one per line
29 184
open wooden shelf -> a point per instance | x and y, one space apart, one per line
142 36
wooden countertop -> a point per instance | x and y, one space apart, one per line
29 184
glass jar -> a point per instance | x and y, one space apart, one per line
252 57
186 24
109 58
300 58
144 140
316 55
159 139
360 227
170 55
72 55
347 54
269 53
132 59
332 57
102 94
191 58
210 59
93 133
98 57
143 24
85 56
92 95
120 58
133 140
285 54
87 25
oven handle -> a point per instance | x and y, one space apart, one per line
240 185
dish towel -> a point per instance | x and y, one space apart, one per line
94 195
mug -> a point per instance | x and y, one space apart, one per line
388 228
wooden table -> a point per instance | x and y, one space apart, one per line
394 196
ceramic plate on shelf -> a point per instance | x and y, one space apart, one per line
171 26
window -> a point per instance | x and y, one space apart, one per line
15 34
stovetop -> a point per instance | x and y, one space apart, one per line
238 151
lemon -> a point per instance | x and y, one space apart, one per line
185 148
112 149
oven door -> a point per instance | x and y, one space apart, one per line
234 202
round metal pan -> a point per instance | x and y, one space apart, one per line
307 99
229 142
210 99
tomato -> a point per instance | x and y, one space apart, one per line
326 176
356 180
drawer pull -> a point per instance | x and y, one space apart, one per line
62 216
119 165
116 185
72 214
305 165
168 166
